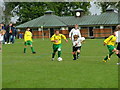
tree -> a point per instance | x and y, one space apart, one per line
9 6
29 10
105 5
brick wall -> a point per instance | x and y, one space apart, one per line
84 33
102 32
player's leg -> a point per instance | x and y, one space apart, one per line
74 53
117 53
59 50
25 47
78 52
31 46
118 50
54 51
111 51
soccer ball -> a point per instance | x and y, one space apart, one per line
59 59
83 38
118 63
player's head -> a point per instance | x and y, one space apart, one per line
117 27
76 26
2 32
27 29
75 37
57 32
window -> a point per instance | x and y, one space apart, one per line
97 27
84 27
107 26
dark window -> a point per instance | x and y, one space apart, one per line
107 26
84 27
97 27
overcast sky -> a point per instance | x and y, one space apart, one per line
94 9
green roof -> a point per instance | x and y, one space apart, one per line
107 18
46 21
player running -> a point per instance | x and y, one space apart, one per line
2 33
77 42
28 40
110 42
74 31
118 39
56 39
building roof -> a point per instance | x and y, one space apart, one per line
46 21
107 18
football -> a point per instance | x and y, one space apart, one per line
59 59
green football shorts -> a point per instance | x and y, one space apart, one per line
110 48
28 43
57 47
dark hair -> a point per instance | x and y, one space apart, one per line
27 28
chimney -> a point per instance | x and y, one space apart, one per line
79 12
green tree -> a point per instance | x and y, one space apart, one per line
29 10
8 11
105 5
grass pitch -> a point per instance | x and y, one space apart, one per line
38 71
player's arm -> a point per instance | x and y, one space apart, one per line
64 37
107 40
70 34
79 34
25 36
53 39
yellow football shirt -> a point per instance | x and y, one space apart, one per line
58 38
111 40
28 36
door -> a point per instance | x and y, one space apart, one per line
51 32
91 31
113 28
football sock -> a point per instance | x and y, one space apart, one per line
109 55
32 49
78 54
74 55
118 55
24 50
59 53
53 54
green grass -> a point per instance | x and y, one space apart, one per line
38 71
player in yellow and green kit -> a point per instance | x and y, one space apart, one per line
110 42
56 39
28 40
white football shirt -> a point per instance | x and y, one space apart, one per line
74 32
1 38
118 36
77 43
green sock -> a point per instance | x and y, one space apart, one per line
110 53
24 50
53 54
32 49
59 53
